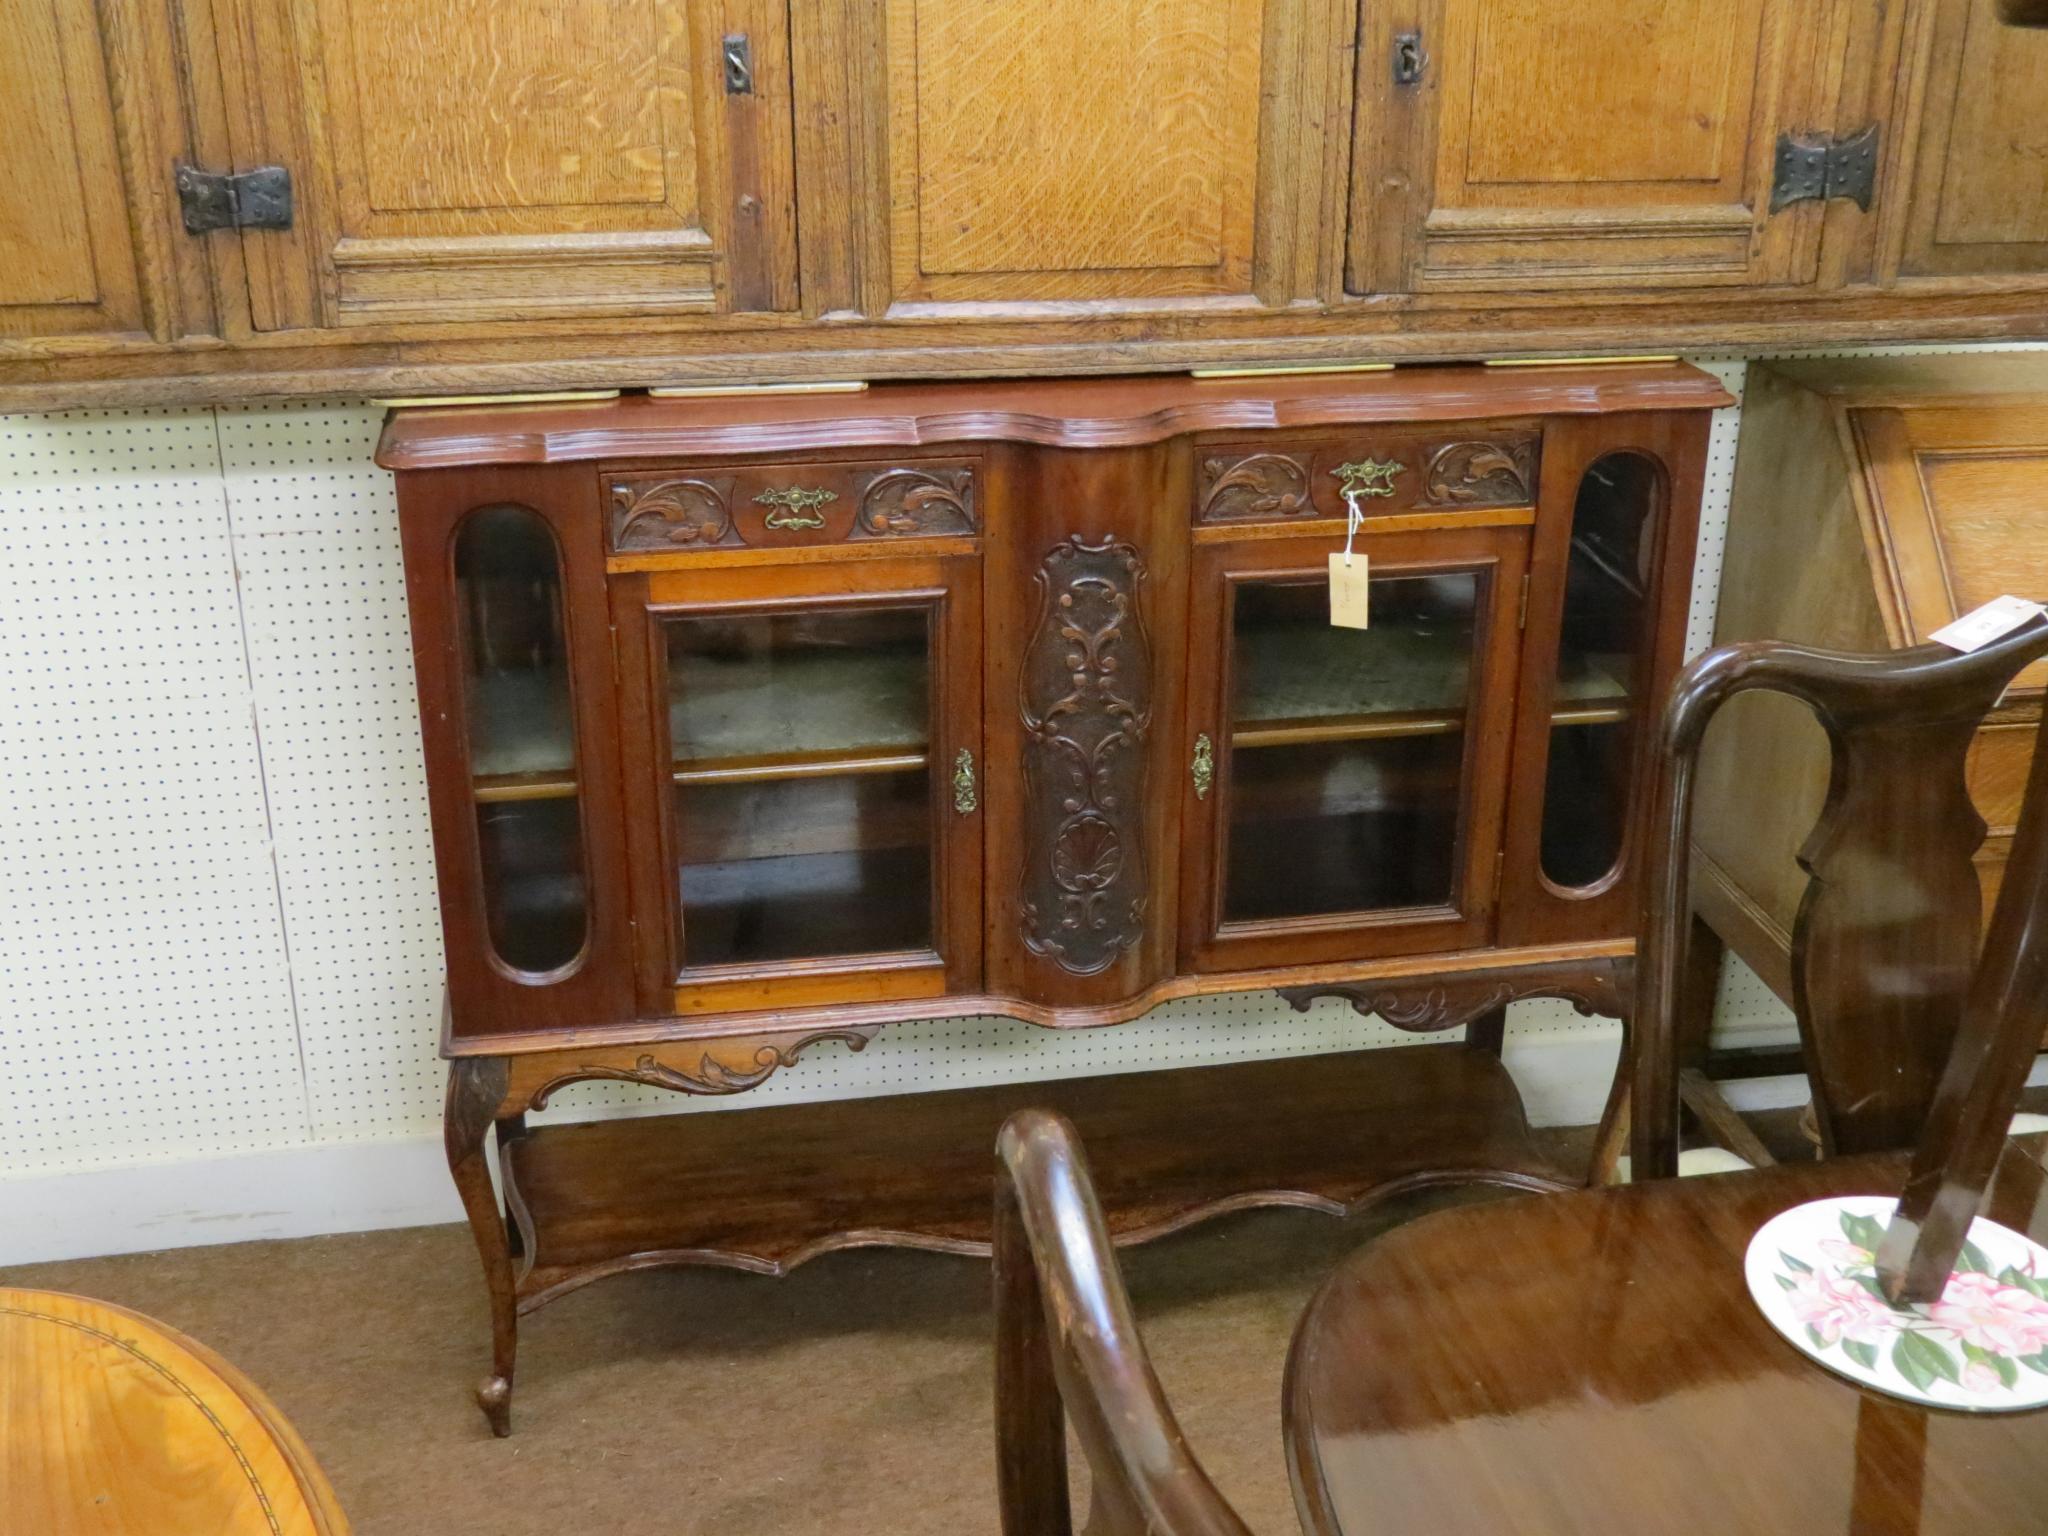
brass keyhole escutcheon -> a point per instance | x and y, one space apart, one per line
1203 769
964 800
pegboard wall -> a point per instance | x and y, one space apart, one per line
218 930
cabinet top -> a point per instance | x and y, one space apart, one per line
1116 412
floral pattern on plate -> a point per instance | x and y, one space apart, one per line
1983 1347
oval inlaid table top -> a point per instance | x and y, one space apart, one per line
1593 1362
113 1424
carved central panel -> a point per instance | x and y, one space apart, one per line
1087 710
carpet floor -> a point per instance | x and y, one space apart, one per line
851 1397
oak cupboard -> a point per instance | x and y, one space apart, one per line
248 197
759 724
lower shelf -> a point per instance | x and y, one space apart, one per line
766 1189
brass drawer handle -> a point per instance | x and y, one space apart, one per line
963 782
1368 477
796 507
1203 768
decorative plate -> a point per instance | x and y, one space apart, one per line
1982 1348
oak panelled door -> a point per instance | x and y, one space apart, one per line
1552 143
814 733
460 161
1980 178
1075 149
67 257
1345 790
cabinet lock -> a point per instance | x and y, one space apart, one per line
1409 59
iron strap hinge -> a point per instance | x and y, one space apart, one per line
258 199
1813 167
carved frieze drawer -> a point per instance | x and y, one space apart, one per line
775 506
1256 480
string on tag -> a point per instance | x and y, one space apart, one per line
1352 524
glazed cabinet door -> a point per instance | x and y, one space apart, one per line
809 779
1553 144
456 162
1112 151
1344 788
1609 591
1980 175
67 254
520 726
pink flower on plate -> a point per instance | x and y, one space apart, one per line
2001 1319
1847 1255
1979 1377
1836 1309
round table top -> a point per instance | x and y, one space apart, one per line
1593 1362
112 1423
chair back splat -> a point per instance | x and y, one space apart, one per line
1886 939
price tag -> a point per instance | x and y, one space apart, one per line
1349 590
1350 581
1980 626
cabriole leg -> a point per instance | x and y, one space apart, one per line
476 1091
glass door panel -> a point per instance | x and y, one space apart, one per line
1347 747
1603 647
1346 787
801 757
521 736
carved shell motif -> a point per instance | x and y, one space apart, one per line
667 513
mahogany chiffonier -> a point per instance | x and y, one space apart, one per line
758 723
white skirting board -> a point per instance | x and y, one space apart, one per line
360 1186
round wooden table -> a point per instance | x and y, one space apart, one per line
113 1424
1593 1362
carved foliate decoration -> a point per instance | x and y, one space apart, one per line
907 503
1426 1004
1087 711
709 1077
1234 487
682 513
1495 474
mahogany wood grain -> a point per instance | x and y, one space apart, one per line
1887 933
772 1188
1606 1352
1054 413
114 1425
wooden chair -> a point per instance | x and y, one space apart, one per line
1629 1279
1068 1347
1886 937
1910 1038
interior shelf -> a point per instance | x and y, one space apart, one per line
1304 683
825 714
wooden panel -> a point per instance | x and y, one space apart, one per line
67 262
1551 143
463 162
1073 148
1999 759
1796 569
1957 492
1980 187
